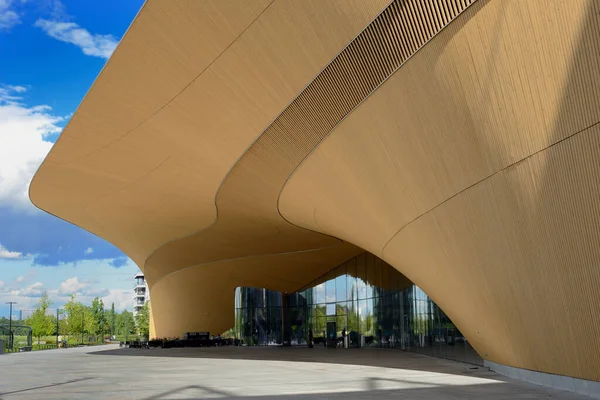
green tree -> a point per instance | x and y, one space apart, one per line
79 318
125 324
106 322
142 321
319 320
97 311
41 324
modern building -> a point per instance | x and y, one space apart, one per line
264 144
141 293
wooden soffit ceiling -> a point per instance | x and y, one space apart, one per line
180 149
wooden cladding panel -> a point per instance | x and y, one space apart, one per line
142 158
247 199
474 170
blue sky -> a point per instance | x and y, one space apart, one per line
51 52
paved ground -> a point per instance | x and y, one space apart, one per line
108 372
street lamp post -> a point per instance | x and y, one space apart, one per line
10 335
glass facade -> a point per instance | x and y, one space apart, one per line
369 299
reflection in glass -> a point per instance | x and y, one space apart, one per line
340 288
369 275
361 270
330 308
320 293
362 317
376 305
330 291
351 287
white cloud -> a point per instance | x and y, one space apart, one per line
23 131
17 88
9 93
93 292
75 286
4 253
72 286
8 16
69 32
57 9
20 279
121 298
33 290
1 284
89 250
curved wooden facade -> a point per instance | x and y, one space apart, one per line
263 143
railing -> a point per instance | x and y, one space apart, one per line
33 347
44 346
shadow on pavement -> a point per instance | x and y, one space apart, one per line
491 391
46 386
386 358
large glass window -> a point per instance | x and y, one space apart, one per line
340 288
361 271
330 291
351 292
371 300
370 275
330 308
320 296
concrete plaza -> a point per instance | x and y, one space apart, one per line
108 372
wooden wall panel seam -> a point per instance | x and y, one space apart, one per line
486 178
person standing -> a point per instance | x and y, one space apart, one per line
310 339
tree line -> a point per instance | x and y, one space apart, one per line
75 319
